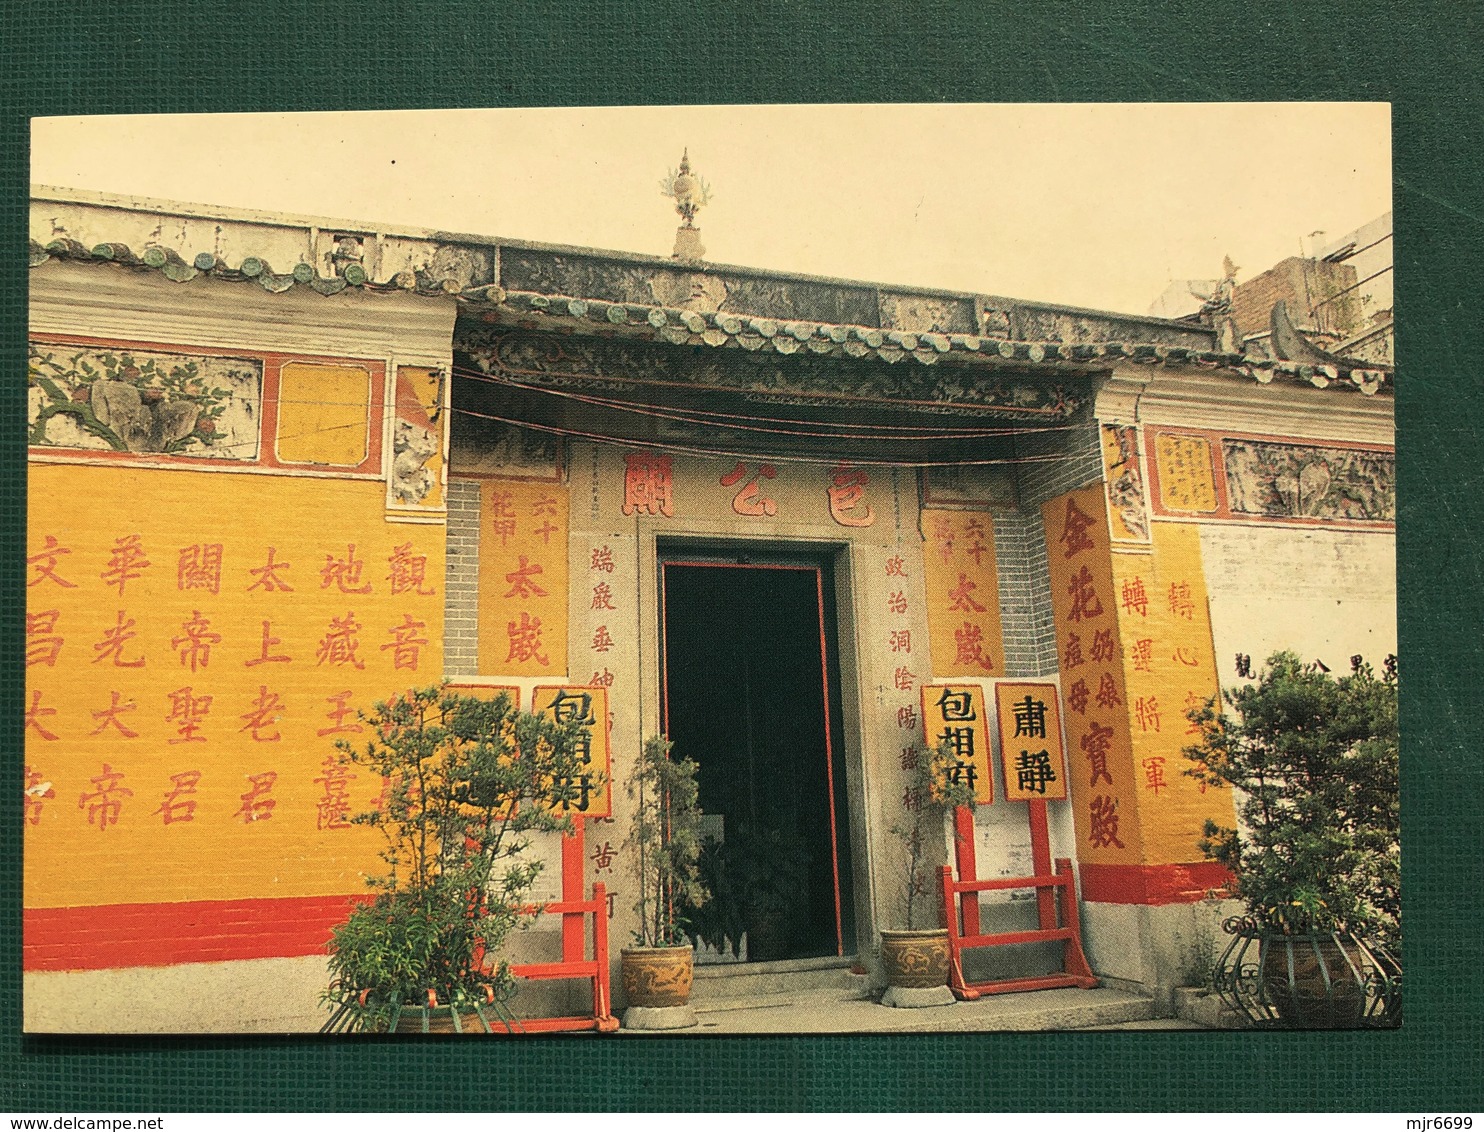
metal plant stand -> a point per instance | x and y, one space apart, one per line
1320 981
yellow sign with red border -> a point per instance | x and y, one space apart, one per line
1029 717
954 714
588 706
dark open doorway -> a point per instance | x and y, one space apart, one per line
751 692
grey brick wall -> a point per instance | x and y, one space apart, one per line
1025 595
1078 462
1069 460
461 581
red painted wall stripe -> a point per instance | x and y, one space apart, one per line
1151 884
161 935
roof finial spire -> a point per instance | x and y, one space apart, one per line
690 193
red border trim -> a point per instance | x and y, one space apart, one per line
1151 884
197 931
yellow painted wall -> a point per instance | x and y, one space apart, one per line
365 622
1168 668
1134 661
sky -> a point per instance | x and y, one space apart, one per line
1094 205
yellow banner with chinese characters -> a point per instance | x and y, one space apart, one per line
522 578
954 714
592 793
1031 748
1187 478
1090 652
963 594
1168 669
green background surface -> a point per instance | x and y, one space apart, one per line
78 58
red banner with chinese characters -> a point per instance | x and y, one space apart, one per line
954 714
1029 718
593 789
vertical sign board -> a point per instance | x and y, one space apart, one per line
954 714
588 706
1029 720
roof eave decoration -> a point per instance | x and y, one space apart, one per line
719 329
723 329
251 270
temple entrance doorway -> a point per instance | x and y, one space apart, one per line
751 693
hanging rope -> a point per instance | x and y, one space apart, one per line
861 432
734 454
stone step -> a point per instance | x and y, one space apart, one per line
822 1012
720 982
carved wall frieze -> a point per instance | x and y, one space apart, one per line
1204 474
925 313
1304 481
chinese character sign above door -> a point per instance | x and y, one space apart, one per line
590 795
954 714
1031 742
963 594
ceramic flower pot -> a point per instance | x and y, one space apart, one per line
915 959
656 976
1313 983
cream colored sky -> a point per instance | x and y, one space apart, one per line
1091 205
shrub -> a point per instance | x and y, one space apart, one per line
466 784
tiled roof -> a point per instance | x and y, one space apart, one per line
723 329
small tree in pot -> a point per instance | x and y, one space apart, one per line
1316 854
666 835
466 783
915 958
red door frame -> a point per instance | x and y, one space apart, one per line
824 677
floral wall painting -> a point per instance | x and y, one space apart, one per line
101 399
416 476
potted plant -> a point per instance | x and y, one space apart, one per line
1315 853
666 834
753 879
466 782
914 958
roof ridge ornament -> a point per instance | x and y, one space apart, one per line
1216 311
690 193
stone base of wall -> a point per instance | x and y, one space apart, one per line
248 996
1205 1008
1155 948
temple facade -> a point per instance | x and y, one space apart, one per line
282 467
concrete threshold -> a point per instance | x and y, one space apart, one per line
828 1012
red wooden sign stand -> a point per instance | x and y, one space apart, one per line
574 963
961 911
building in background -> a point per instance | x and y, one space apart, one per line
281 467
1339 297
